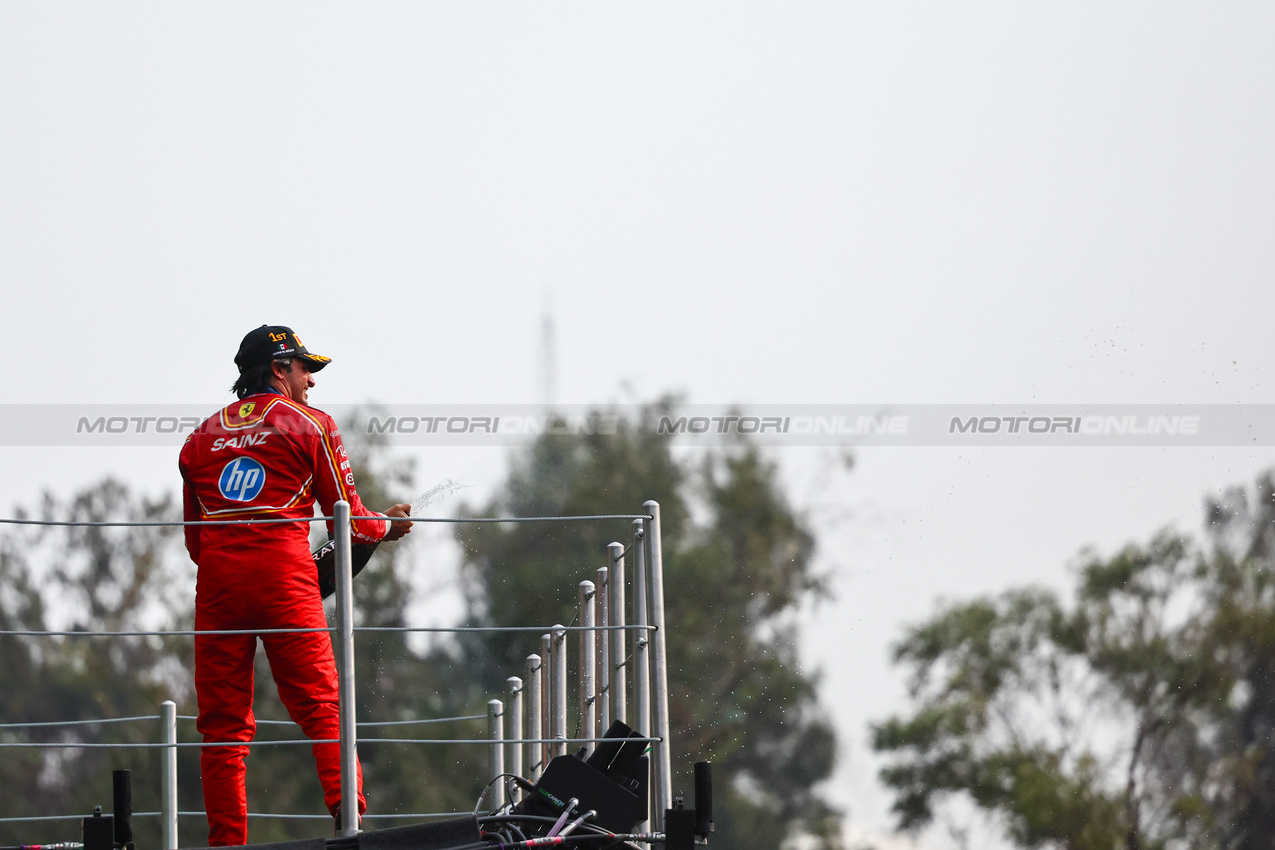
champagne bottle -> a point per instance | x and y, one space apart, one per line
325 563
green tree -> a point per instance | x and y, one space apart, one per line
90 579
738 562
1140 715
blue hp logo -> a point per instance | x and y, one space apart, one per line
241 479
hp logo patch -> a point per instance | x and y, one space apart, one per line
241 479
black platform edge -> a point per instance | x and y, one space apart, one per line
303 844
437 835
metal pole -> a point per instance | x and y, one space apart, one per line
495 718
168 779
642 638
603 706
619 683
588 662
663 790
535 711
546 688
515 729
641 642
559 690
349 811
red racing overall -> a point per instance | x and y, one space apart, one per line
263 456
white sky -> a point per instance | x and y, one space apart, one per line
754 203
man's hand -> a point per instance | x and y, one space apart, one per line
399 527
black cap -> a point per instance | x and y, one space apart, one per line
271 342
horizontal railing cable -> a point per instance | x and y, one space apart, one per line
590 518
277 521
367 724
327 817
568 740
398 816
198 632
535 629
362 724
78 722
155 523
151 745
257 720
173 632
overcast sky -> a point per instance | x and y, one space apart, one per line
906 203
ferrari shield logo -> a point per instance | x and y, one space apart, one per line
245 409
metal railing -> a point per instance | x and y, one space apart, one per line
534 728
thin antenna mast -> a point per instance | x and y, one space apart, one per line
548 357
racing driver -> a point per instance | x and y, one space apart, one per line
266 456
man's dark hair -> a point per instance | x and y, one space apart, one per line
257 378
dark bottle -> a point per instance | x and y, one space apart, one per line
325 562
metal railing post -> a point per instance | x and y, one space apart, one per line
641 642
588 662
168 792
662 795
349 811
619 683
602 708
515 729
495 719
535 713
641 638
559 690
546 688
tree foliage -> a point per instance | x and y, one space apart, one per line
90 579
1138 715
738 562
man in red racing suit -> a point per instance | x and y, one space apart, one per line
268 455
